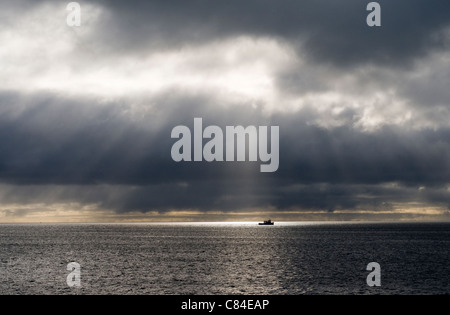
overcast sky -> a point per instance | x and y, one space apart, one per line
86 112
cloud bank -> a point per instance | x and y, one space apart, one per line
86 113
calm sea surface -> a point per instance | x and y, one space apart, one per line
225 258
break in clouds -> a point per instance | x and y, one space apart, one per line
86 113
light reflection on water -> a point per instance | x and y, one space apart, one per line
225 258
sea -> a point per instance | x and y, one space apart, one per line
238 258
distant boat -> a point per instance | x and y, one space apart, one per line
268 222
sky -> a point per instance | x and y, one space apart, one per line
86 112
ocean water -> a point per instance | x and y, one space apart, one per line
225 258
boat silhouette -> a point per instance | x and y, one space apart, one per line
268 222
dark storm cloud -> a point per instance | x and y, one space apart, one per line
85 143
126 160
345 155
116 154
55 140
333 32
